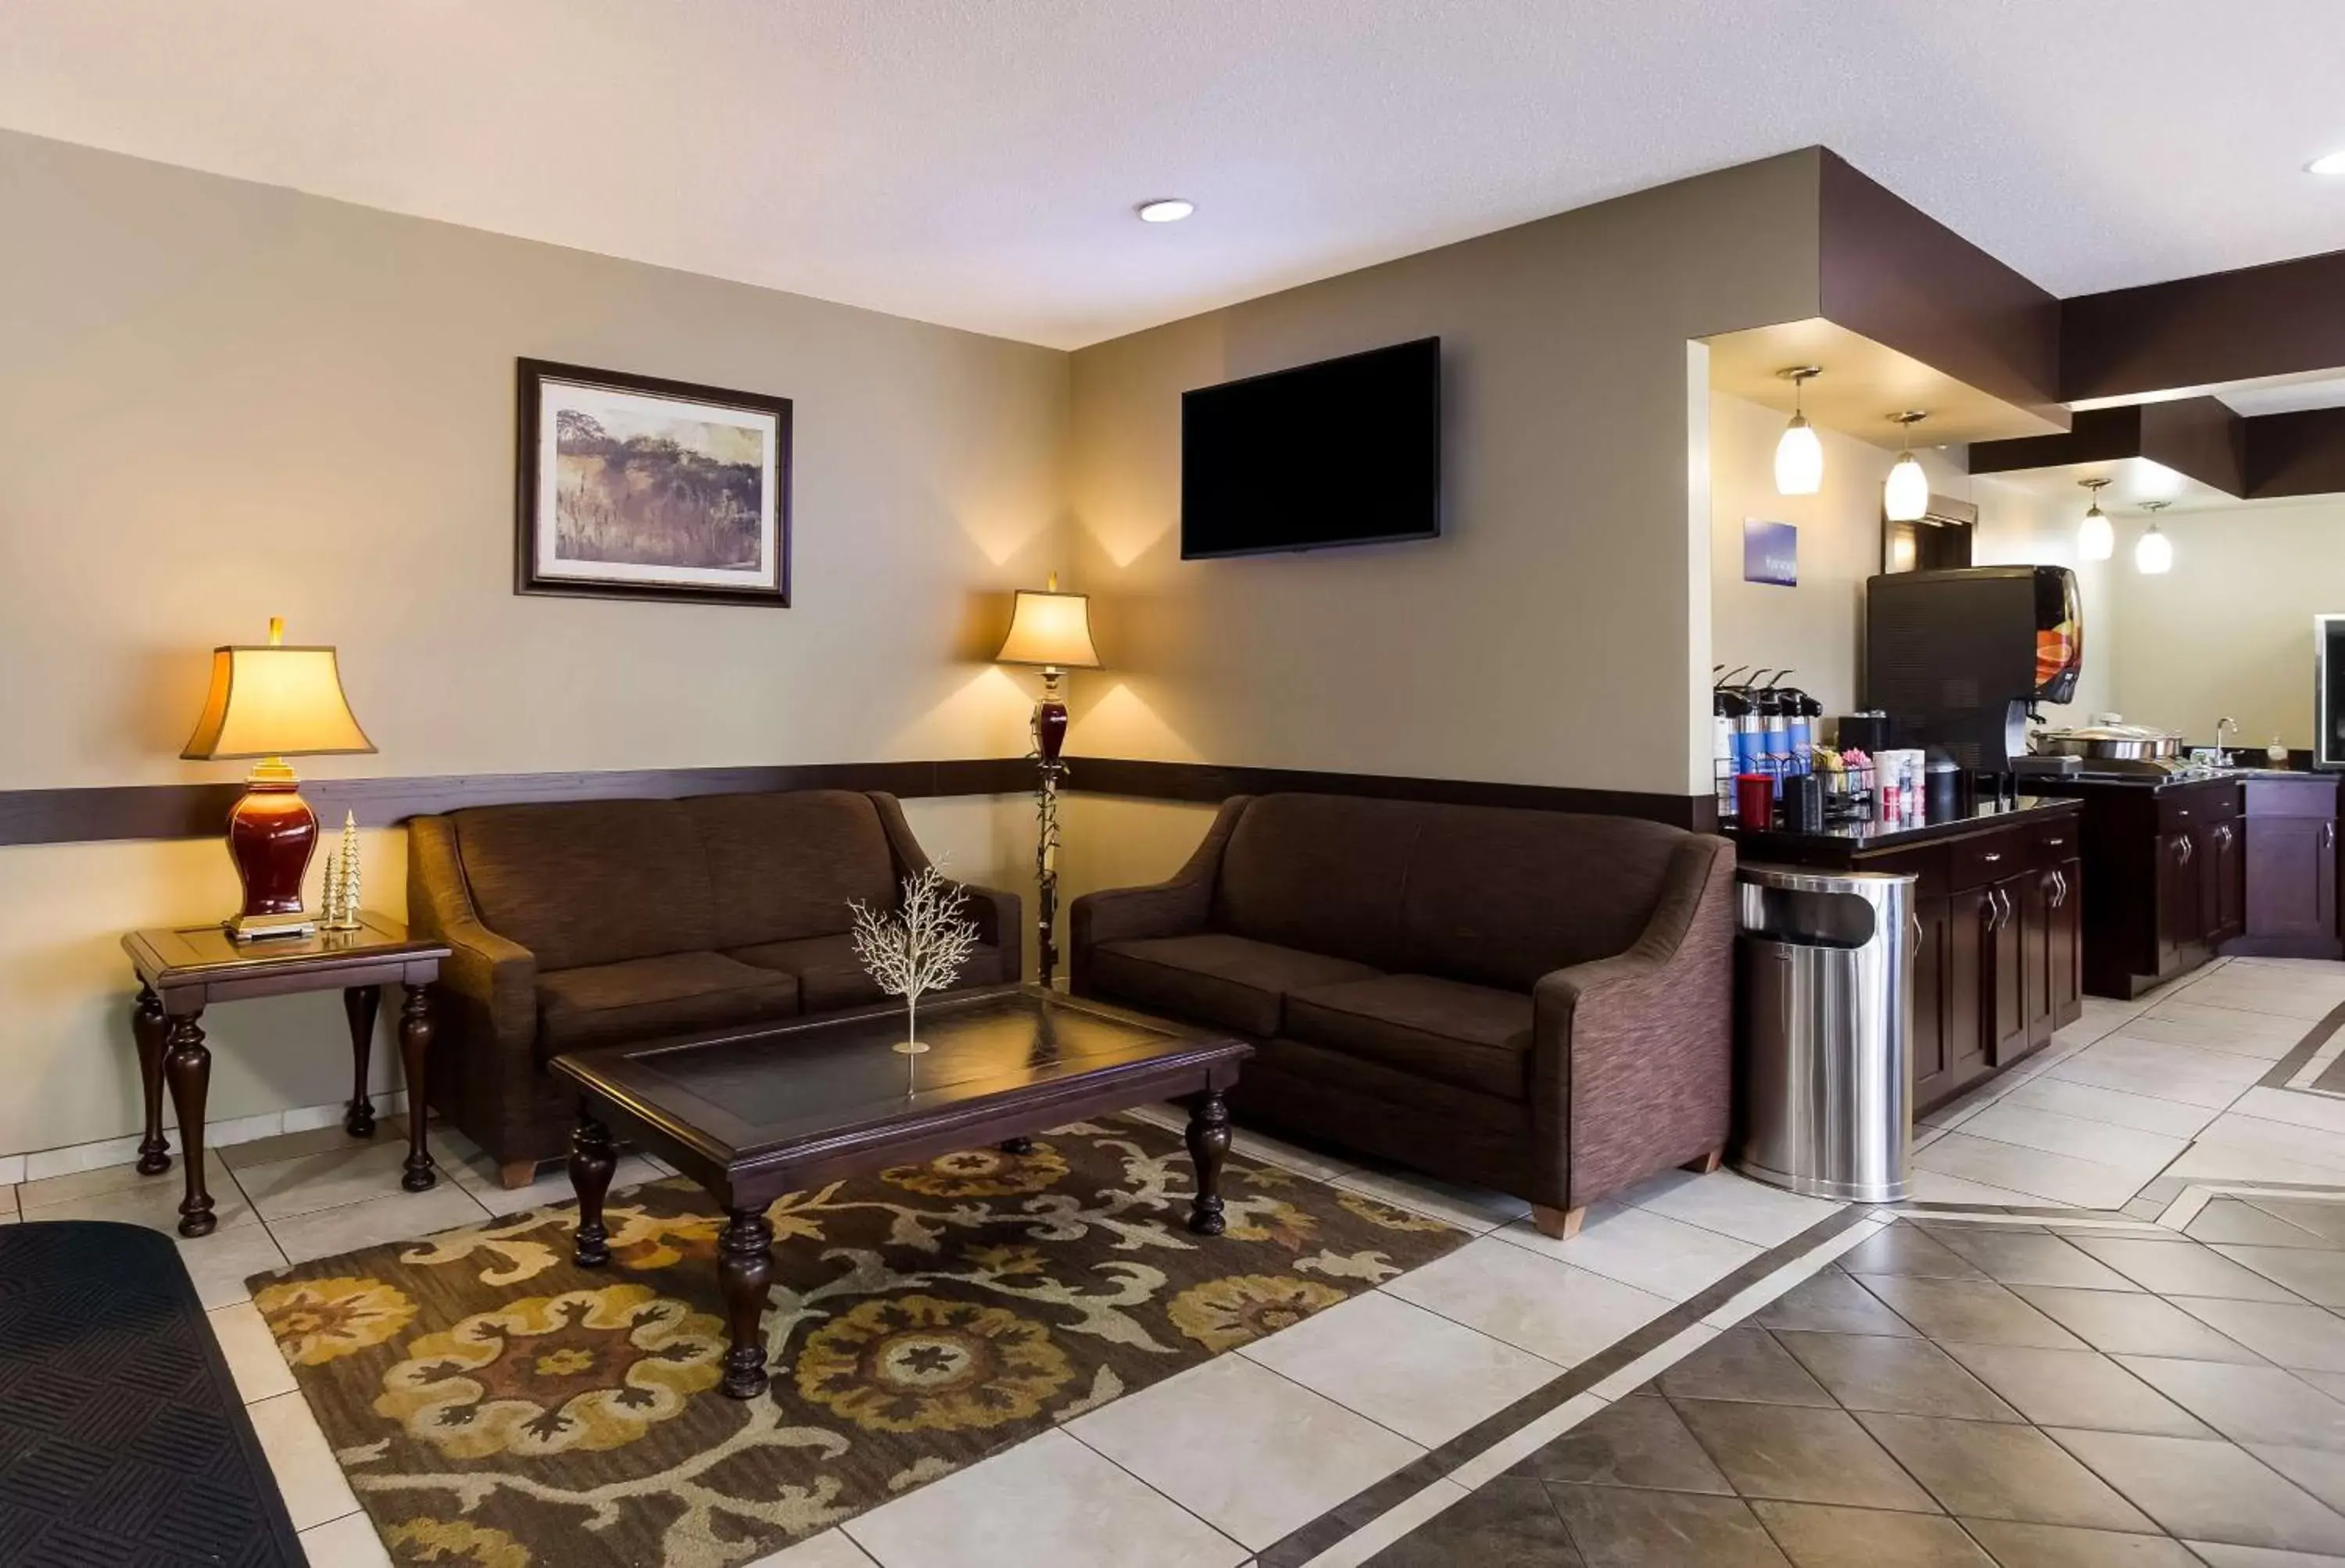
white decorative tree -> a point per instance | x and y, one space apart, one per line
918 948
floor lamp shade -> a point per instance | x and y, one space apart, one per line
1052 630
266 704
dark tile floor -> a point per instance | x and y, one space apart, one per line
1949 1395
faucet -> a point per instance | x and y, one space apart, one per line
2223 758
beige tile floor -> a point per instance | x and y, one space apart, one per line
1205 1468
2162 1086
1215 1464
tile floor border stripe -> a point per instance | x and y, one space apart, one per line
1308 1542
2304 1050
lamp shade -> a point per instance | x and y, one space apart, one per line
1799 459
2154 554
1905 498
1053 629
2097 537
275 702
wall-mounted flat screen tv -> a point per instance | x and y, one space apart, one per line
1343 452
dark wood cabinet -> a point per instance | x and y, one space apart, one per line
1962 995
2065 943
1996 933
2008 970
2286 844
2163 861
1933 1068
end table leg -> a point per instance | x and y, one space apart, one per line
1018 1145
149 1028
1209 1141
415 1056
591 1161
358 1005
744 1270
188 1066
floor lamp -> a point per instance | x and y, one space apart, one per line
1052 631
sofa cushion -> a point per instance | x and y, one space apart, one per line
1323 873
1500 897
830 976
1214 977
588 882
1471 1036
643 998
784 866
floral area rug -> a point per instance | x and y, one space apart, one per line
494 1405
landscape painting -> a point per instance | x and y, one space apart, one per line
637 488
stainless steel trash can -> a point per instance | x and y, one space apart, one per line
1824 997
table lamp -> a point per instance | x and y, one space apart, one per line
1051 630
271 703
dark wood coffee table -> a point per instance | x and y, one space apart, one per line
753 1114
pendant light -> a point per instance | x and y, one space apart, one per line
2096 539
1799 455
1905 498
2154 554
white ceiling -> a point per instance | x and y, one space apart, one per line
975 161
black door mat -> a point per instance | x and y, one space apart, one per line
122 1440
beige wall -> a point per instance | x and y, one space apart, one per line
1560 632
1816 628
2229 630
220 400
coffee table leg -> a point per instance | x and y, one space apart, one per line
591 1164
1209 1141
1018 1145
149 1028
188 1066
745 1269
415 1056
358 1005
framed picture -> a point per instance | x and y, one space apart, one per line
636 488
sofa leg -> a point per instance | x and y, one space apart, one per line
515 1175
1702 1165
1561 1223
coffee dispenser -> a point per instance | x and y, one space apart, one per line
1959 659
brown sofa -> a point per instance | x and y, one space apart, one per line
1539 1001
586 924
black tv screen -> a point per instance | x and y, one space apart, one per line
1345 452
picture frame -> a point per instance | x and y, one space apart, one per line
638 487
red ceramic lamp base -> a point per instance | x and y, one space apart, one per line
271 833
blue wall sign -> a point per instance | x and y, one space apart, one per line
1771 553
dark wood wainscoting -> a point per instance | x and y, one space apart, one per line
201 810
1205 781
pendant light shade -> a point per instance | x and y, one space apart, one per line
2097 540
1799 455
1905 498
2153 554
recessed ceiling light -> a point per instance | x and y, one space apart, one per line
1171 209
2332 163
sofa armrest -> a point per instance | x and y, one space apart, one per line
497 976
1633 1054
1179 906
993 910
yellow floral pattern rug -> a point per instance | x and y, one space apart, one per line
494 1405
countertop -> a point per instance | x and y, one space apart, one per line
1846 839
2156 781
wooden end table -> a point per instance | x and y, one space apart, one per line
754 1114
183 971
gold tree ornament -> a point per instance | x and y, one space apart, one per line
341 896
918 948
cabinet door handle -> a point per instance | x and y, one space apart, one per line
1992 856
1917 922
2056 843
2328 835
2182 848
